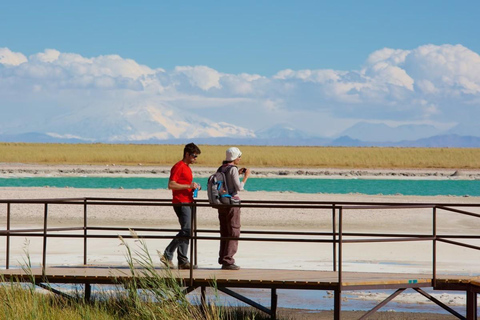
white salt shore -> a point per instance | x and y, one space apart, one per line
112 170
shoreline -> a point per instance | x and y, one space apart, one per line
9 170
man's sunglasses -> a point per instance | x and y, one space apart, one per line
194 155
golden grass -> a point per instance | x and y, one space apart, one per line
253 156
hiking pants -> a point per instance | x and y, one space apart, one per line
229 227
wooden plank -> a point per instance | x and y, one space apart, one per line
245 277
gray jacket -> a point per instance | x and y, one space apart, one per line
233 180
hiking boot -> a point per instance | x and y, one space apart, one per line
186 265
230 267
168 263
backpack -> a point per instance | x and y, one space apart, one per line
217 188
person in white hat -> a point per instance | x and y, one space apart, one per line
229 217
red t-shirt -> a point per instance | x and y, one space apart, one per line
182 174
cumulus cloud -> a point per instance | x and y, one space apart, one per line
317 76
394 84
434 83
202 77
7 57
110 65
392 57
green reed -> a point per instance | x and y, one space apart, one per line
149 293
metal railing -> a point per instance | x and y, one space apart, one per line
337 237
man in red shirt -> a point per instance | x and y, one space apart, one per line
182 186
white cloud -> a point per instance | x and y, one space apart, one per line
7 57
426 87
49 55
317 76
393 57
243 84
384 74
434 83
200 76
273 105
445 66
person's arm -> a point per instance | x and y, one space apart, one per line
246 174
173 185
236 180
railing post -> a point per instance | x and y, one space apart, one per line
340 239
337 302
88 286
434 248
338 292
334 229
44 255
274 303
195 234
88 292
85 233
203 298
471 305
192 220
7 258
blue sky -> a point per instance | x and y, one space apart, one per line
316 65
260 37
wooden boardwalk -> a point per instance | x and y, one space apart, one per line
259 278
338 280
262 278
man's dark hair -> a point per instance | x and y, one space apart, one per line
191 148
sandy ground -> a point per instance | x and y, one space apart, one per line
372 257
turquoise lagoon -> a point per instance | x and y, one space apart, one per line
301 185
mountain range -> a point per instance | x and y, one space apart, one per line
439 141
163 124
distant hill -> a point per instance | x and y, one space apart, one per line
346 141
439 141
379 132
36 137
282 131
444 141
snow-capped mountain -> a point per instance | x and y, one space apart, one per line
136 123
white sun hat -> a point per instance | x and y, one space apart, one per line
233 153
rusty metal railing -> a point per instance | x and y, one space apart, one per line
337 237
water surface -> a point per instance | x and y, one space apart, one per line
338 186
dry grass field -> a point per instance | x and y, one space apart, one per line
255 156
